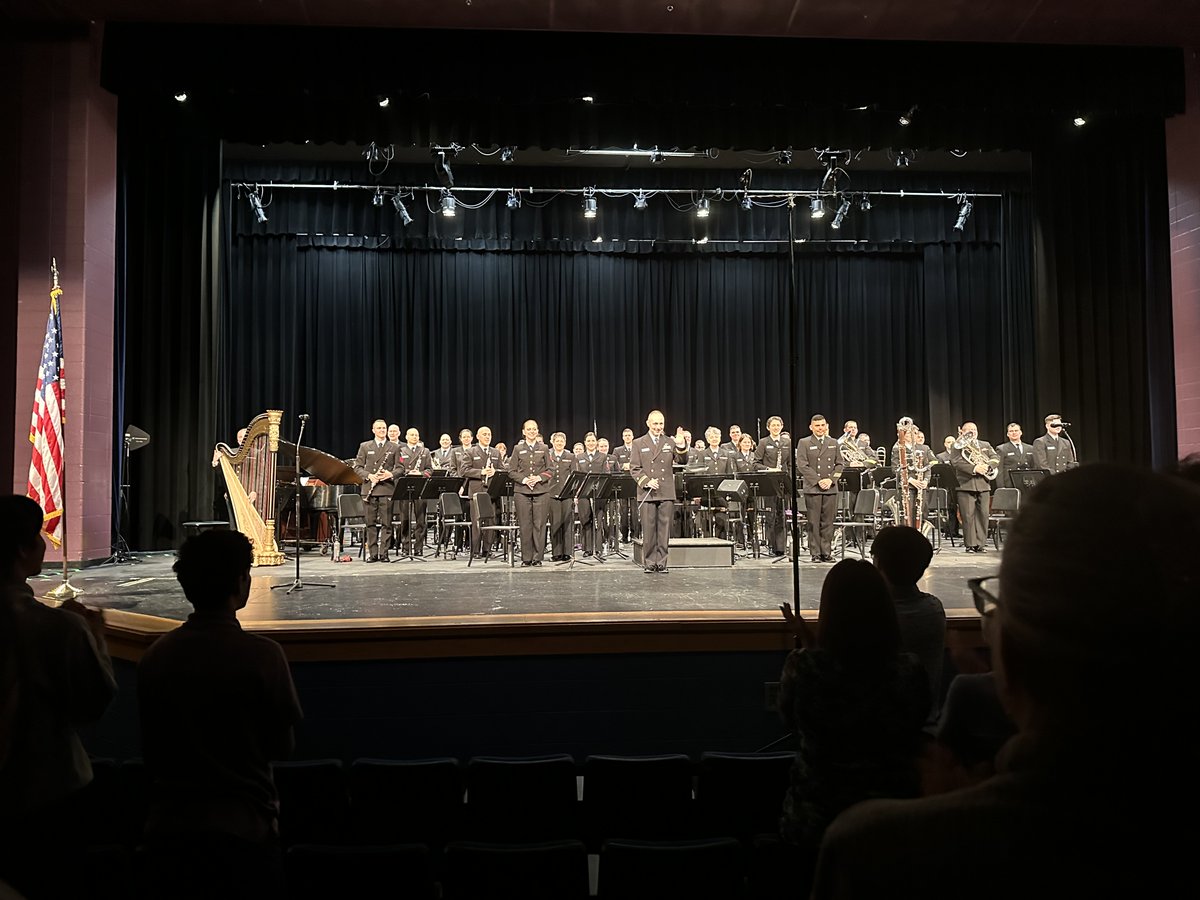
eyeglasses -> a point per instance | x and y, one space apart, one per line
986 593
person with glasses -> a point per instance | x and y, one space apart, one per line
1054 451
1095 662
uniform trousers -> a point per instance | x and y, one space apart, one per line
973 508
532 512
377 515
562 527
821 509
656 532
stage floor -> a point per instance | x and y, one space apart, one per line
440 589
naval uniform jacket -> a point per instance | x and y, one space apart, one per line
1013 457
415 457
1054 454
525 461
473 462
816 460
968 480
774 453
560 470
371 459
650 461
709 462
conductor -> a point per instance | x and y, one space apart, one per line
653 458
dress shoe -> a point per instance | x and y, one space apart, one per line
537 562
523 563
815 559
826 559
650 570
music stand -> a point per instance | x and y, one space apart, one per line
432 490
413 486
595 488
733 490
134 439
571 490
297 584
766 484
705 487
622 489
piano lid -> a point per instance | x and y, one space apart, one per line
329 469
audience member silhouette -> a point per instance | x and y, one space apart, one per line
902 555
55 675
217 706
857 703
1094 661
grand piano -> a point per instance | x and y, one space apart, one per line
329 478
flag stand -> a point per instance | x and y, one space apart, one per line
66 590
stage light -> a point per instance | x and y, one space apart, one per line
441 164
181 97
747 203
506 154
589 207
256 205
903 158
383 101
448 205
405 218
598 239
783 158
1079 121
864 203
840 215
639 200
377 200
587 98
656 157
817 206
907 118
373 153
514 201
702 241
702 208
964 213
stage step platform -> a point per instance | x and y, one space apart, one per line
693 553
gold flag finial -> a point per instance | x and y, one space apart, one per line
54 271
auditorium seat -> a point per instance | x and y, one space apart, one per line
515 799
406 801
742 793
637 797
397 871
554 870
312 801
136 791
651 870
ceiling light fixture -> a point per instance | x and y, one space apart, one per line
702 241
702 208
640 200
441 163
864 203
906 119
506 154
377 200
449 205
747 203
405 218
256 205
964 212
817 207
589 207
383 100
514 200
1079 121
181 97
784 157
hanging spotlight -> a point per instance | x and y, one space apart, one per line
817 206
864 203
448 205
907 118
783 158
588 98
383 100
181 97
656 157
639 200
702 208
377 200
1079 121
747 203
506 154
405 218
514 201
841 213
256 205
964 213
598 239
589 207
702 241
903 158
441 163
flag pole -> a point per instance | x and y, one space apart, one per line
66 590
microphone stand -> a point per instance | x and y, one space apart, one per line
297 584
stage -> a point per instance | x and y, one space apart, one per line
435 608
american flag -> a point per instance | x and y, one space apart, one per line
46 429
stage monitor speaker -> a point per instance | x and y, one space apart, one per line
732 489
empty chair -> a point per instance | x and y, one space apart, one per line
319 872
406 801
312 801
651 870
453 520
1005 503
514 799
937 507
862 522
741 794
484 513
555 870
637 796
352 518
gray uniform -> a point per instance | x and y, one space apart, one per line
974 495
655 459
412 513
629 520
1054 454
818 458
591 513
471 465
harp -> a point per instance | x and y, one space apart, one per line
250 480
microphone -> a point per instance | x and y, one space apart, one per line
1061 424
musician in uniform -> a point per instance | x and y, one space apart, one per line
376 464
1014 455
974 487
653 469
605 510
774 452
393 434
743 463
529 468
947 455
624 460
443 457
732 445
819 463
592 462
712 459
414 459
562 512
849 432
478 464
1054 451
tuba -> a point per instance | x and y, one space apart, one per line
973 453
250 481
